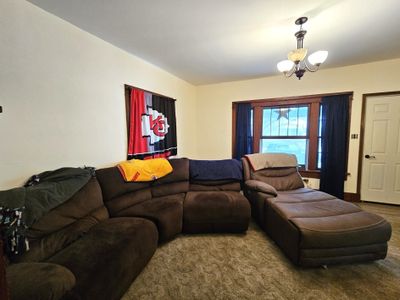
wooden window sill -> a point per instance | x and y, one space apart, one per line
310 173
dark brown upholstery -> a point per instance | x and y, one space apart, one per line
41 281
314 228
174 205
215 211
166 212
78 251
109 257
66 223
89 255
160 201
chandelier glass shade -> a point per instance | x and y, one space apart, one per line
297 62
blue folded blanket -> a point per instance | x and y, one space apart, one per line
225 169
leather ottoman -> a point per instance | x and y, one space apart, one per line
314 228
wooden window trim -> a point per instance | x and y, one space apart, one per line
313 104
313 101
310 173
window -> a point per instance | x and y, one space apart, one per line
291 126
285 129
319 138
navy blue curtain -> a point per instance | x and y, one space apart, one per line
334 140
244 138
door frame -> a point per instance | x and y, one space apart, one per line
362 130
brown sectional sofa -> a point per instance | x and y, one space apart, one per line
79 252
95 244
311 227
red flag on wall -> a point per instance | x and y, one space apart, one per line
151 125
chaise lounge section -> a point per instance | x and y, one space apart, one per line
311 227
78 252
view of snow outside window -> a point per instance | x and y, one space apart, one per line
285 131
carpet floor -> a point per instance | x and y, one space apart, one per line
251 266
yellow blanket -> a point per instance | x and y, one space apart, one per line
144 170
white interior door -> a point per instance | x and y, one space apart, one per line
380 177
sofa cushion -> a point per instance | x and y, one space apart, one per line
166 212
113 184
108 258
215 185
260 186
282 179
180 172
45 281
302 195
127 200
315 228
342 230
168 189
65 223
215 211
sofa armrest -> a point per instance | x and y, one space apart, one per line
260 186
39 281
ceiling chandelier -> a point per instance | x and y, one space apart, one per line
296 63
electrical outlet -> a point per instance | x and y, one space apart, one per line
354 136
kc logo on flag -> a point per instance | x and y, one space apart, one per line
154 125
151 125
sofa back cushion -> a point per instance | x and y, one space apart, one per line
65 223
119 194
282 179
215 185
174 183
113 184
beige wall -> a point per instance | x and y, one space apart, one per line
63 97
214 103
62 92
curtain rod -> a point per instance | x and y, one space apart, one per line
294 97
128 87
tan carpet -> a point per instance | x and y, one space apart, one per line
251 266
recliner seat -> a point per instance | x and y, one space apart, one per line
312 227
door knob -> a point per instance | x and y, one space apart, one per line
369 156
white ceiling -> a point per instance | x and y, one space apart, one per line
210 41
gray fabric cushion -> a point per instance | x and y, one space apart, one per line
39 281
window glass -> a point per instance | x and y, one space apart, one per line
285 121
266 130
252 121
290 123
302 120
293 120
275 124
319 138
319 154
297 147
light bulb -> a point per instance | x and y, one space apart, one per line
285 66
318 57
